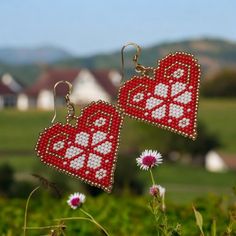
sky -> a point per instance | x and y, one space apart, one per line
87 27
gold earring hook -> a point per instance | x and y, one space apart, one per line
138 67
69 104
135 57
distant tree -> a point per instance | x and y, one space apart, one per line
149 137
127 175
221 85
205 142
21 189
6 179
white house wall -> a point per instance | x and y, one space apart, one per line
45 100
22 102
214 162
86 89
115 78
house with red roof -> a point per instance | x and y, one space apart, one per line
88 86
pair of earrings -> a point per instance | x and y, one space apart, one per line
166 96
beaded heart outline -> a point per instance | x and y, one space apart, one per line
115 157
193 136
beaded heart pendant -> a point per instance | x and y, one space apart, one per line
86 150
169 99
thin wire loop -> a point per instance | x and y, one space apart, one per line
135 57
138 67
69 104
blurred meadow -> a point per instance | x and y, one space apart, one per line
186 183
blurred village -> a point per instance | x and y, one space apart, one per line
101 79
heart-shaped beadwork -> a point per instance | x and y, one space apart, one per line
86 150
169 99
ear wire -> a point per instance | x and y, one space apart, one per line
138 67
69 104
135 57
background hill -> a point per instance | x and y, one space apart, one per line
22 56
213 55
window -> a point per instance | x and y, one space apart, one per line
9 101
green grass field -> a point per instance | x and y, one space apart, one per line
219 115
184 183
19 132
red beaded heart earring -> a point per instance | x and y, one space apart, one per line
166 96
86 149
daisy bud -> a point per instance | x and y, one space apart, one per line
157 190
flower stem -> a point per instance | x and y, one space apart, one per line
74 218
163 206
45 227
94 221
86 213
152 178
89 218
26 208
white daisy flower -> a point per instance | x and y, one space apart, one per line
76 200
148 159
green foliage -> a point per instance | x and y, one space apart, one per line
221 85
213 228
199 220
120 215
162 224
